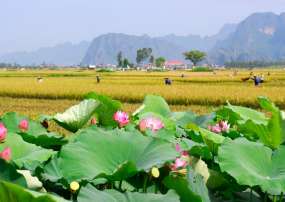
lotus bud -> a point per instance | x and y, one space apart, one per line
93 121
143 125
6 154
24 125
74 186
155 172
3 132
185 154
177 148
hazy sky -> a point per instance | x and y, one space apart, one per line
30 24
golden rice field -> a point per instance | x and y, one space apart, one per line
198 91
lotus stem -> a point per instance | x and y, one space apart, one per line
251 194
281 197
120 185
265 197
73 197
155 187
145 184
275 198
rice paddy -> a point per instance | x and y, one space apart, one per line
199 91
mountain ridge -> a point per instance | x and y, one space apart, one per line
61 54
259 37
104 49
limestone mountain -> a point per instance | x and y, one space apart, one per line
62 54
260 37
104 49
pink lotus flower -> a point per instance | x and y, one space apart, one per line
182 161
215 129
152 123
24 125
224 126
93 121
179 163
6 154
3 132
122 118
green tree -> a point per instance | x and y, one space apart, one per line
120 59
159 62
151 59
126 63
195 56
143 54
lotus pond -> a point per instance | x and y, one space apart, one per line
232 154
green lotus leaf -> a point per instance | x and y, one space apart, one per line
189 121
25 155
13 193
254 164
36 133
213 140
276 124
76 116
163 134
242 114
217 180
189 188
10 174
183 118
90 193
53 172
271 132
106 109
154 104
204 120
196 149
210 136
115 155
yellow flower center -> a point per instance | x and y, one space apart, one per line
155 172
74 186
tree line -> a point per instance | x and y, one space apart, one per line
252 64
145 56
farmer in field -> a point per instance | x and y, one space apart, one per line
40 79
167 81
98 79
262 78
257 80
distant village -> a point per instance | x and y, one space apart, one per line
168 65
145 61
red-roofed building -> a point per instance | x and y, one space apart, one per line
175 64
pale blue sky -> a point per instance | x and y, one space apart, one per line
30 24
